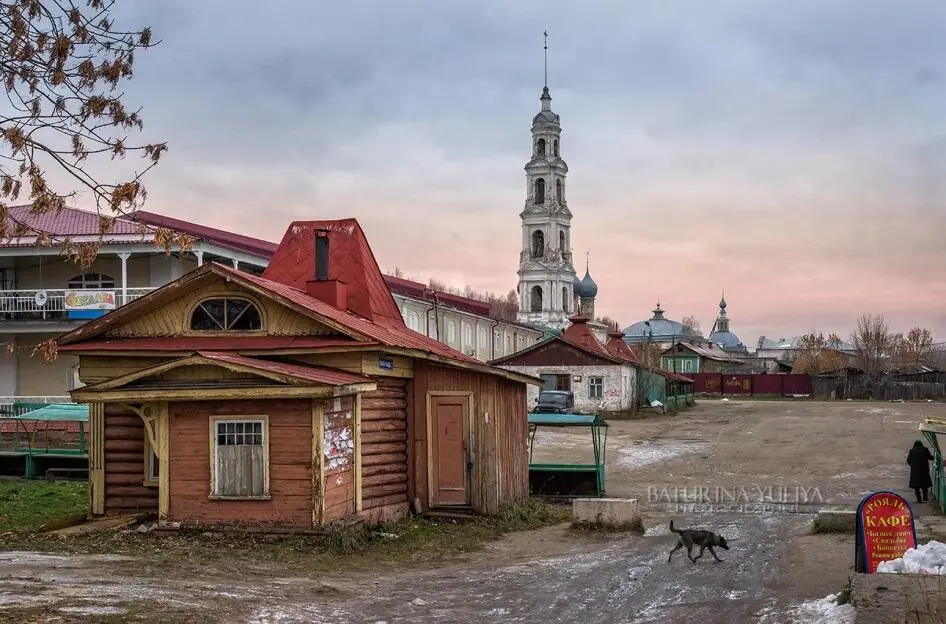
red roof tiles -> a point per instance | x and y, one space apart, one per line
617 347
579 334
211 343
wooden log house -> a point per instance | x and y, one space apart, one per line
293 399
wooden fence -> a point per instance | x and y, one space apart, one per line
759 384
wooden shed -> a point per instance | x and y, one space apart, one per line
293 399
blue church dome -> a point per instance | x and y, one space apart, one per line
586 288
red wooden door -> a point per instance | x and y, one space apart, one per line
449 423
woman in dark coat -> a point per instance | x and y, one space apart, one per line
919 459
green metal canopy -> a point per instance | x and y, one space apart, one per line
57 411
566 420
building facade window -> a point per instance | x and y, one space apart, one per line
467 335
91 281
226 314
595 387
538 244
686 365
535 299
451 331
540 191
540 148
241 458
413 320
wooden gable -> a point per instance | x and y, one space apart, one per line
173 318
557 352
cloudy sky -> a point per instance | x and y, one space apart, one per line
792 154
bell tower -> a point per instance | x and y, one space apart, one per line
546 274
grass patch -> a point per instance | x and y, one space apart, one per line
28 506
637 526
405 541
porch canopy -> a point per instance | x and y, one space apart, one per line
251 378
57 412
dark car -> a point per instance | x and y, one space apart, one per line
554 402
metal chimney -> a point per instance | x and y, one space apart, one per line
321 255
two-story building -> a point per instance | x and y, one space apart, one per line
44 294
461 323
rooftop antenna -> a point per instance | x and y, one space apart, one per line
546 48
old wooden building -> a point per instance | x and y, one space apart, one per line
296 398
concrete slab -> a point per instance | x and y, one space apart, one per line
614 513
834 521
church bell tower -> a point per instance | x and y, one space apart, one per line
546 275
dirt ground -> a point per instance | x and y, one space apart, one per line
755 471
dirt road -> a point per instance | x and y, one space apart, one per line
747 464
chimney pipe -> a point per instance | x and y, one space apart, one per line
321 255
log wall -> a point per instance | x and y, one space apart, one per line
384 461
125 463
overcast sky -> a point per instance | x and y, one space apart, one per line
792 154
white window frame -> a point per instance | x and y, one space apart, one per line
686 365
591 387
85 282
451 331
242 418
468 335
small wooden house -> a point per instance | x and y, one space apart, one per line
294 398
599 378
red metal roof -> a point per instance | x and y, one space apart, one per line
220 237
617 347
136 227
316 374
71 222
211 343
422 291
579 334
350 261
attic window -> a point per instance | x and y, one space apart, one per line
226 314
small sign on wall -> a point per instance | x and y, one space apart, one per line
386 362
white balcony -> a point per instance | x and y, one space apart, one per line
17 405
62 304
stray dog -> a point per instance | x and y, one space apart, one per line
697 537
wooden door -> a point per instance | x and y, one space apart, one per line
449 451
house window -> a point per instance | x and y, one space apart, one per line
91 281
240 465
686 365
555 381
452 331
484 338
595 387
467 335
226 314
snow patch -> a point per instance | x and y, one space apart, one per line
93 610
823 611
929 558
640 454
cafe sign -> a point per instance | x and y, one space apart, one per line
885 530
90 299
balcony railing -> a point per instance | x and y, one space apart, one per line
52 304
18 405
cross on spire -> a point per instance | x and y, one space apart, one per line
546 48
587 260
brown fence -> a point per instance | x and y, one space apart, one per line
761 384
884 388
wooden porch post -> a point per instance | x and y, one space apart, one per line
318 464
357 434
97 458
164 467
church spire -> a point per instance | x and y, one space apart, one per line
546 49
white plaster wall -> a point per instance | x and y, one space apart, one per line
483 333
619 384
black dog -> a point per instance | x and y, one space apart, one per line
697 537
